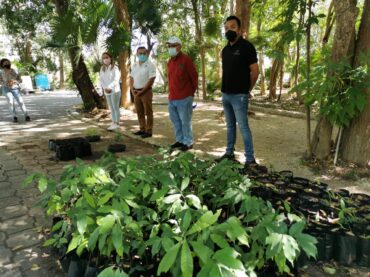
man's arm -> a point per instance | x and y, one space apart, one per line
193 74
147 86
254 75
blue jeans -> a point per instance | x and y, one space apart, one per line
113 101
236 111
12 95
181 112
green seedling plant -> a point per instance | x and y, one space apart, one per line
178 214
92 131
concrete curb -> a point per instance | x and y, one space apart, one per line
293 114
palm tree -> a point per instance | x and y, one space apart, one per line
78 23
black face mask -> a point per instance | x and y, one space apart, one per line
6 65
230 35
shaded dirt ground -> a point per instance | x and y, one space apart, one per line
279 141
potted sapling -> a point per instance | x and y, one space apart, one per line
92 134
117 146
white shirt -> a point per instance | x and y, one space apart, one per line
110 78
141 73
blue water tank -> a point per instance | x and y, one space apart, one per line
42 82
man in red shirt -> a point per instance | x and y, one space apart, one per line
182 84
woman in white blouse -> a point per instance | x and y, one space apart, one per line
109 81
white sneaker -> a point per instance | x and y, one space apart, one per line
112 127
115 126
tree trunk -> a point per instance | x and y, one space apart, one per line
298 55
80 74
356 138
200 42
281 79
343 47
308 56
330 19
61 70
231 6
243 11
260 62
274 74
81 78
28 52
123 17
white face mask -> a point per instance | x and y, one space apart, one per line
106 61
172 51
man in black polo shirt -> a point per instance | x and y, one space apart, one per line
239 75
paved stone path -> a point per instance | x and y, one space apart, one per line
24 150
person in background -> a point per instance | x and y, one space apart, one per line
239 75
182 84
9 81
142 79
109 81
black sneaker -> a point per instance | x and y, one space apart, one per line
176 145
139 133
15 119
230 157
186 147
254 168
146 135
27 118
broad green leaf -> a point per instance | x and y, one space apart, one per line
81 224
105 198
235 230
49 242
109 272
167 244
89 199
117 239
228 257
195 201
172 198
29 180
156 247
204 221
146 190
186 220
167 179
81 247
186 260
132 204
307 243
57 225
102 242
66 194
202 251
169 259
290 248
219 240
93 239
185 183
125 207
42 184
106 223
296 229
208 268
159 194
74 243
